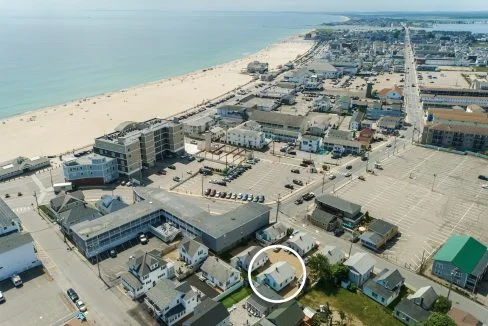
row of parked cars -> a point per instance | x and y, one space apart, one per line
76 300
236 196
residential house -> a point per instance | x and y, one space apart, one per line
349 213
361 267
365 137
17 254
170 301
109 204
9 221
243 259
272 234
310 143
278 275
389 124
462 260
355 122
255 305
414 309
289 313
334 254
302 243
209 312
324 219
196 127
341 134
394 93
385 287
192 252
463 318
219 273
342 146
145 270
378 234
368 124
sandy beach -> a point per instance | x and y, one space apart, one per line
61 128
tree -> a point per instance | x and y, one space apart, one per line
442 305
319 268
289 231
438 319
339 271
342 315
316 321
367 218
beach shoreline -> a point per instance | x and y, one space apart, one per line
79 121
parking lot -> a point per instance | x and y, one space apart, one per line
265 178
429 195
38 302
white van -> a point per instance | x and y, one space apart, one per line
16 280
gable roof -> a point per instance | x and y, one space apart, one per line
267 292
385 91
207 312
109 203
275 230
218 269
280 271
427 294
409 308
7 216
322 216
462 251
338 203
391 278
361 262
302 240
143 261
381 227
58 202
191 246
165 291
77 215
247 254
334 254
285 314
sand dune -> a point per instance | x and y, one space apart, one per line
61 128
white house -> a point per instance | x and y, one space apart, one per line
394 93
192 252
170 301
278 275
9 222
17 254
145 270
247 134
219 273
272 234
361 267
310 143
301 242
243 259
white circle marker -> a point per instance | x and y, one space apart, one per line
251 282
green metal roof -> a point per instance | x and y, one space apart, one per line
462 251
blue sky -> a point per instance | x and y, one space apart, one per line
295 5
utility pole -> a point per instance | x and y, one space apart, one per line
202 184
350 249
433 182
37 202
278 202
453 274
51 174
98 266
323 183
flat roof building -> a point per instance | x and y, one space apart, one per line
21 165
92 169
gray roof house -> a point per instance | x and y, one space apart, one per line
327 221
302 243
278 275
289 313
415 308
385 287
243 259
361 266
109 204
208 312
219 273
379 233
75 215
258 306
192 252
272 234
350 213
66 201
9 221
334 254
171 301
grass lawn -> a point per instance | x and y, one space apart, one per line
363 308
236 297
47 212
481 69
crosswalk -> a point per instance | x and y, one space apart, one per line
20 210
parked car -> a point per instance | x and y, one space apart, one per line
348 174
217 194
362 178
309 196
2 298
162 172
81 306
289 186
113 253
229 196
143 239
172 167
349 167
298 182
176 179
255 199
299 201
244 197
297 171
223 194
332 177
261 199
234 196
213 192
239 196
208 191
16 280
250 197
72 295
483 177
200 160
338 232
292 152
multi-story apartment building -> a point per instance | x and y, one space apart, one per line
92 169
247 134
456 129
135 145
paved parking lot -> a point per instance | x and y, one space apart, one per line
38 302
427 208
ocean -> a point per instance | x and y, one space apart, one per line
49 59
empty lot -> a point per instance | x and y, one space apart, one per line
427 208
